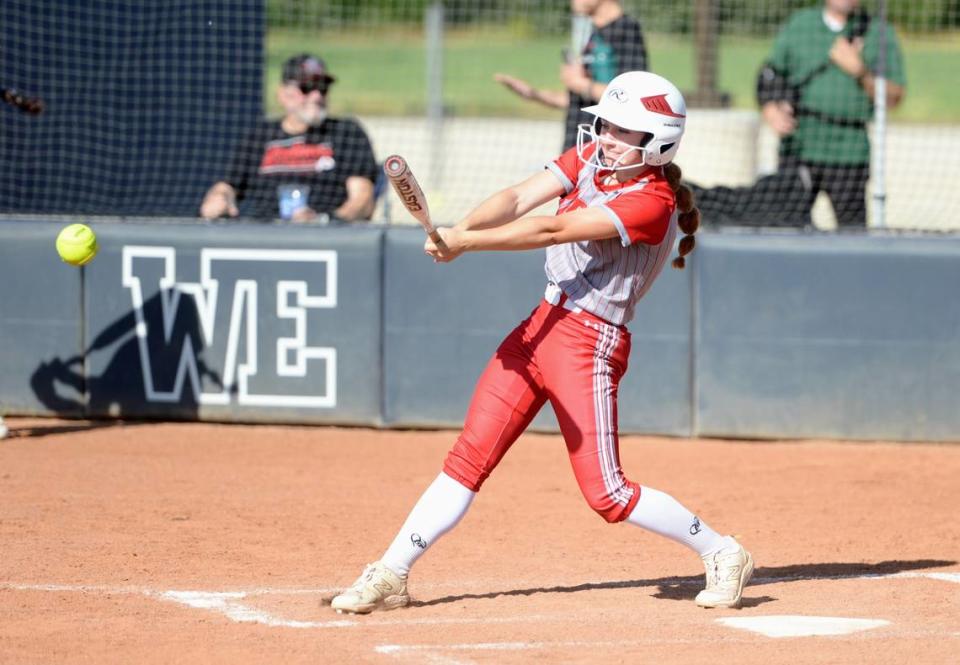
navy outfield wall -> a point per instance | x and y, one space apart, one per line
40 319
164 87
845 336
785 335
230 322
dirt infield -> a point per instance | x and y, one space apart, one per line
157 543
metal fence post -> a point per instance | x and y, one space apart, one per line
434 36
879 152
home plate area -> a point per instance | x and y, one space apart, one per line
850 618
827 607
801 626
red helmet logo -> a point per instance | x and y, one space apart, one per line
658 104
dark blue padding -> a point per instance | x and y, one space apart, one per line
144 102
848 336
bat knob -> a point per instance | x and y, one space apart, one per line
395 165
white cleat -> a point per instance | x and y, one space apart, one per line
728 571
378 588
3 429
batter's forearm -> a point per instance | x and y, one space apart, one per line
529 233
499 209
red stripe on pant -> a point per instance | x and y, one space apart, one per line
575 361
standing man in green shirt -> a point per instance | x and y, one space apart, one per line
816 92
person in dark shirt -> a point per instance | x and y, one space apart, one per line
326 164
615 46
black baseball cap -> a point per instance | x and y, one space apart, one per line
306 69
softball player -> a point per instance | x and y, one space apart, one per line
620 205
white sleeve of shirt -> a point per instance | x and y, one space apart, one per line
561 176
621 229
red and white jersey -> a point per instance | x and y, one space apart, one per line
608 277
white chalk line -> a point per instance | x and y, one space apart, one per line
398 649
538 646
228 603
119 590
434 653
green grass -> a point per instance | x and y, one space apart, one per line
383 72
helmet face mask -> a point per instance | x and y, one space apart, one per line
593 133
637 101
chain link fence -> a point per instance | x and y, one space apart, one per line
468 135
421 78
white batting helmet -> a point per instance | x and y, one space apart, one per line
645 102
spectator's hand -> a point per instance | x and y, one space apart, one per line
220 201
848 56
515 85
304 214
551 98
575 78
779 115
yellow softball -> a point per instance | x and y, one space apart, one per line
77 244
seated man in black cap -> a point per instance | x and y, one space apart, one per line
304 167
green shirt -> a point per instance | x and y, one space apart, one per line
802 46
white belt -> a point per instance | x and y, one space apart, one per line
554 295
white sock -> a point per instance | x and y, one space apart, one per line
439 509
659 512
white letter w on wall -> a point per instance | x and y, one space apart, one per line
242 329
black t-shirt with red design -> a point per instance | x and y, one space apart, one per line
323 158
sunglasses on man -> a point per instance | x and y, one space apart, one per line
321 86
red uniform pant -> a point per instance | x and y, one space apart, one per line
575 360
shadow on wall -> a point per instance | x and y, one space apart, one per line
174 368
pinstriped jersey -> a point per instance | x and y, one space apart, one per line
608 277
